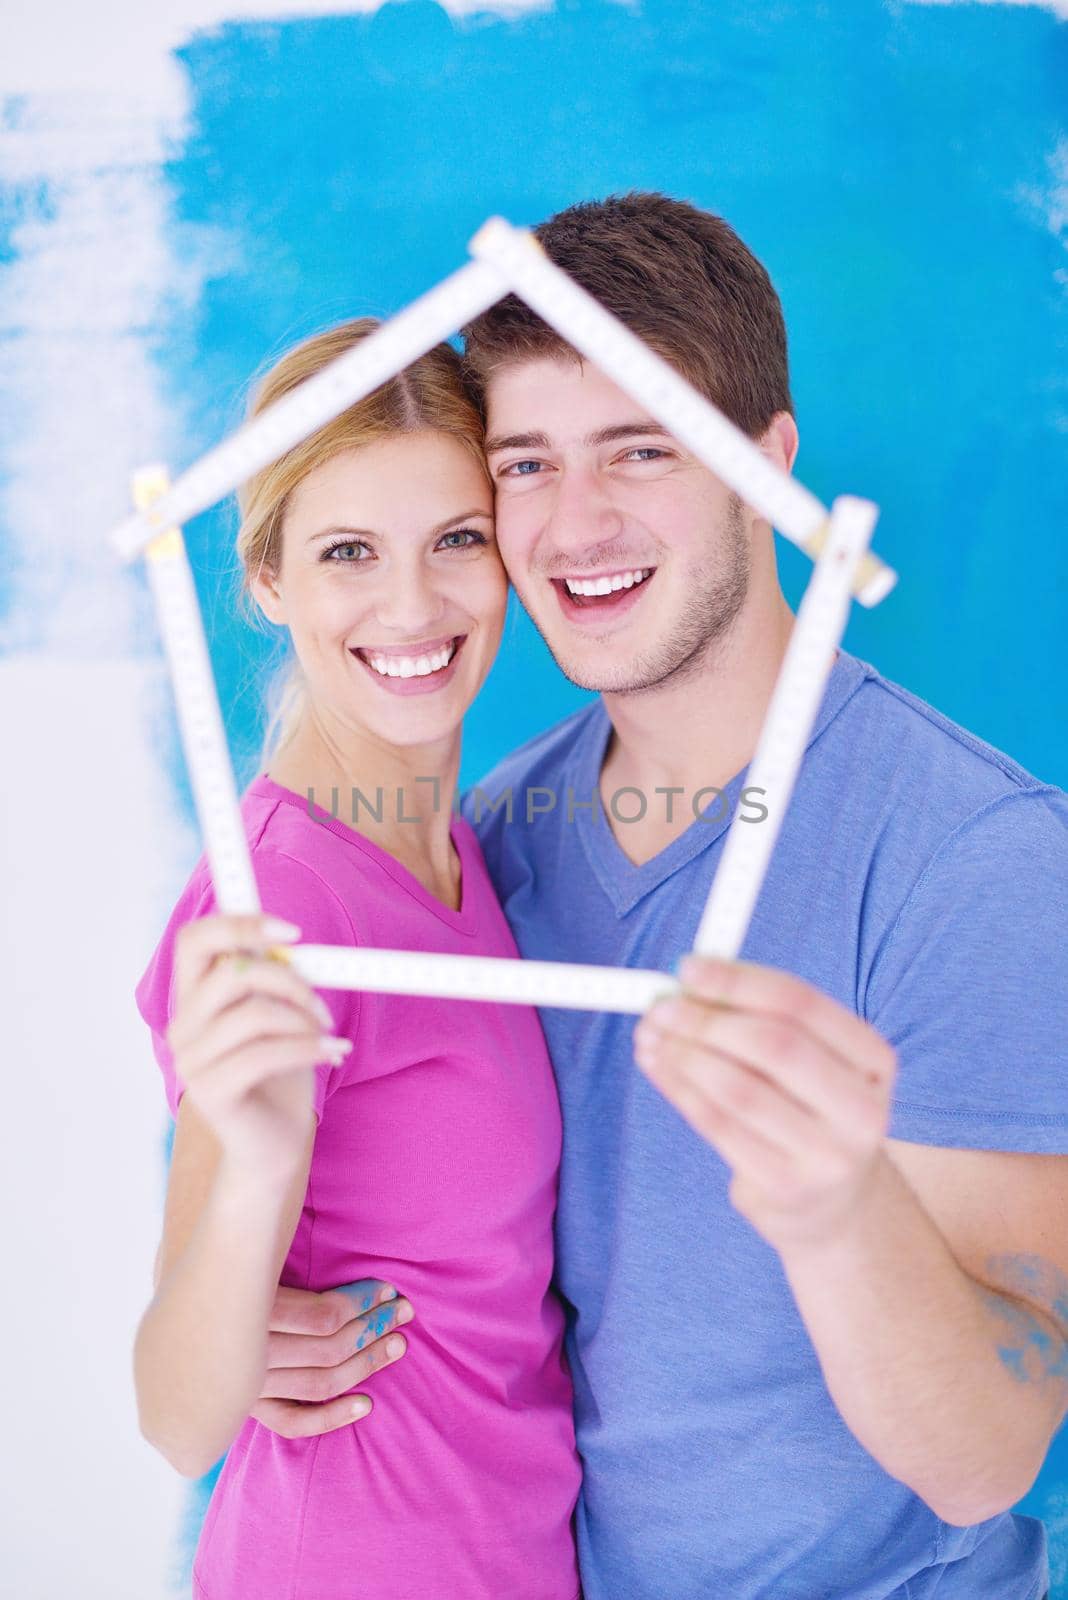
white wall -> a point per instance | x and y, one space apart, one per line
93 849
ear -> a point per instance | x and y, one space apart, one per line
780 440
267 592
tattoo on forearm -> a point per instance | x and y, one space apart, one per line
1032 1349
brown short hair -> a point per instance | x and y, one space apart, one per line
678 277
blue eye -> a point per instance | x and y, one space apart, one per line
648 451
513 465
470 536
467 533
344 544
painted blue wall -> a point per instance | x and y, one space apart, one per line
893 166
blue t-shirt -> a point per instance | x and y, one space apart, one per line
921 879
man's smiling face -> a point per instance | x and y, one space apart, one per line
589 487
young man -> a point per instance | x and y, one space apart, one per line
810 1231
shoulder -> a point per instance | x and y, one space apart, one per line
919 784
923 812
303 870
918 739
964 845
1003 865
291 866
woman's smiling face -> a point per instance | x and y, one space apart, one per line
391 586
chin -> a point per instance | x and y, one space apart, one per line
602 677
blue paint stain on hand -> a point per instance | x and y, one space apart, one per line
363 1292
377 1324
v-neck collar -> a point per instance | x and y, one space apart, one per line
625 883
463 920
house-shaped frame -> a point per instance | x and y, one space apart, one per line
506 260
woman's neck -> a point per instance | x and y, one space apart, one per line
400 797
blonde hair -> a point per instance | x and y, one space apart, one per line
430 394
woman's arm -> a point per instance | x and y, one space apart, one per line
201 1350
245 1036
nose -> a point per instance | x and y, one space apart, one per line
582 515
412 604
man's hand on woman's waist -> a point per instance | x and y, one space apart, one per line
320 1347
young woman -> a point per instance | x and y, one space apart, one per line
328 1139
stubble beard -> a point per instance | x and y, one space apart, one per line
716 594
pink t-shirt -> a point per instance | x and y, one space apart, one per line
435 1168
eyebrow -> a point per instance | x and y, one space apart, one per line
369 533
643 427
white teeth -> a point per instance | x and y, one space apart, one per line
412 666
622 580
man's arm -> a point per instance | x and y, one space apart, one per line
954 1386
940 1317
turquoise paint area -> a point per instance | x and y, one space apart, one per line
891 165
887 164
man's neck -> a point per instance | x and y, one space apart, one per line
694 732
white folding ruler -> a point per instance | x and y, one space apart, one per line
508 259
315 402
